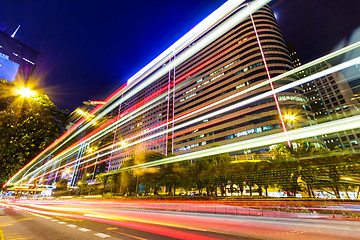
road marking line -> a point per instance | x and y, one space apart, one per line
1 235
54 220
102 235
62 223
71 225
111 228
132 236
84 229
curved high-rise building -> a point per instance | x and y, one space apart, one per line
247 55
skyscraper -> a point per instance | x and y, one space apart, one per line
15 51
210 88
330 98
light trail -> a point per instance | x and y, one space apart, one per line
269 77
261 96
320 129
274 79
306 132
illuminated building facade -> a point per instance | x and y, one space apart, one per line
248 54
8 69
19 53
330 97
258 52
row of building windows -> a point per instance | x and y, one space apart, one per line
236 135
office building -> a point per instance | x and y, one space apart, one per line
244 56
17 54
330 97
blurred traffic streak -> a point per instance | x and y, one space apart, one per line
229 222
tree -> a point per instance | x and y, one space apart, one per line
27 126
131 180
103 178
220 168
298 166
61 187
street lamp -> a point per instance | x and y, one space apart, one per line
123 143
67 171
26 92
91 149
289 117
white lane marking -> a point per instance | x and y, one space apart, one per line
84 229
54 220
102 235
71 225
62 223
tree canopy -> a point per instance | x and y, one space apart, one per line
27 126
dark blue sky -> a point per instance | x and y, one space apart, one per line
89 48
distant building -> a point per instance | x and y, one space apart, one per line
330 98
8 69
13 51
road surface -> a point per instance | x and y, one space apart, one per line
80 219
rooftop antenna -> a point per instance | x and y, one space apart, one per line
13 35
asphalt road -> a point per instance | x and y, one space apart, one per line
76 219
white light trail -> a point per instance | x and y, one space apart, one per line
301 133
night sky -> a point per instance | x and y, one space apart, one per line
90 48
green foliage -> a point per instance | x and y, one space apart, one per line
129 181
304 167
62 185
27 126
103 178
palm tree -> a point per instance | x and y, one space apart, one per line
103 179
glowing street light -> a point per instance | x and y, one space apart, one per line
26 92
91 149
67 170
123 143
81 112
289 117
